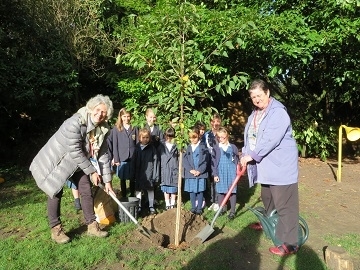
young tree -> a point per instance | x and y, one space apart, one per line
177 49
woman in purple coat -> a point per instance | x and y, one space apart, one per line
271 156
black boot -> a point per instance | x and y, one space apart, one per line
77 204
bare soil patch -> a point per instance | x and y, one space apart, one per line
164 223
331 207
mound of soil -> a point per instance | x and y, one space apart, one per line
165 224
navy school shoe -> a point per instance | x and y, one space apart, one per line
77 204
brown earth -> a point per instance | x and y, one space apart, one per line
329 207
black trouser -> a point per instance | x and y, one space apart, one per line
82 181
213 193
199 196
232 199
285 199
123 188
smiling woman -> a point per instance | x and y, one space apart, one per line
78 152
100 108
271 156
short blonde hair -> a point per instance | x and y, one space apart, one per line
149 110
100 99
223 130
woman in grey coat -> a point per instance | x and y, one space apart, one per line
78 150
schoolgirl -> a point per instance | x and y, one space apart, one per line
169 156
146 166
121 143
224 159
196 159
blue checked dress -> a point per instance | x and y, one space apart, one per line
195 184
227 171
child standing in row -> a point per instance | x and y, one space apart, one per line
157 135
225 157
75 193
196 159
121 143
146 165
202 128
169 156
210 140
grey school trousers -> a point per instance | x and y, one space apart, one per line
285 199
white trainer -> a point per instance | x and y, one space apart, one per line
211 207
215 207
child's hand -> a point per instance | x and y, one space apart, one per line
193 172
216 179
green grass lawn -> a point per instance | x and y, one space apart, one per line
25 241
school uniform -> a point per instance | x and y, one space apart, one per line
146 166
196 159
224 160
224 164
156 134
169 164
209 139
121 144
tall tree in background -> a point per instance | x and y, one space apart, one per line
45 47
54 55
307 50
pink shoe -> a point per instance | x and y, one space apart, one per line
256 226
284 250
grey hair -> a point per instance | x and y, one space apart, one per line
100 99
258 83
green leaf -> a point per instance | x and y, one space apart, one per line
231 85
194 29
201 75
207 66
229 44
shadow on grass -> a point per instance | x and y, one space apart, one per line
18 185
245 250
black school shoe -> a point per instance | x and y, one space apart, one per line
199 212
77 204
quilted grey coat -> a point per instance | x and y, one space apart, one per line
68 151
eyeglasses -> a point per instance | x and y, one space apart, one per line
260 95
194 137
